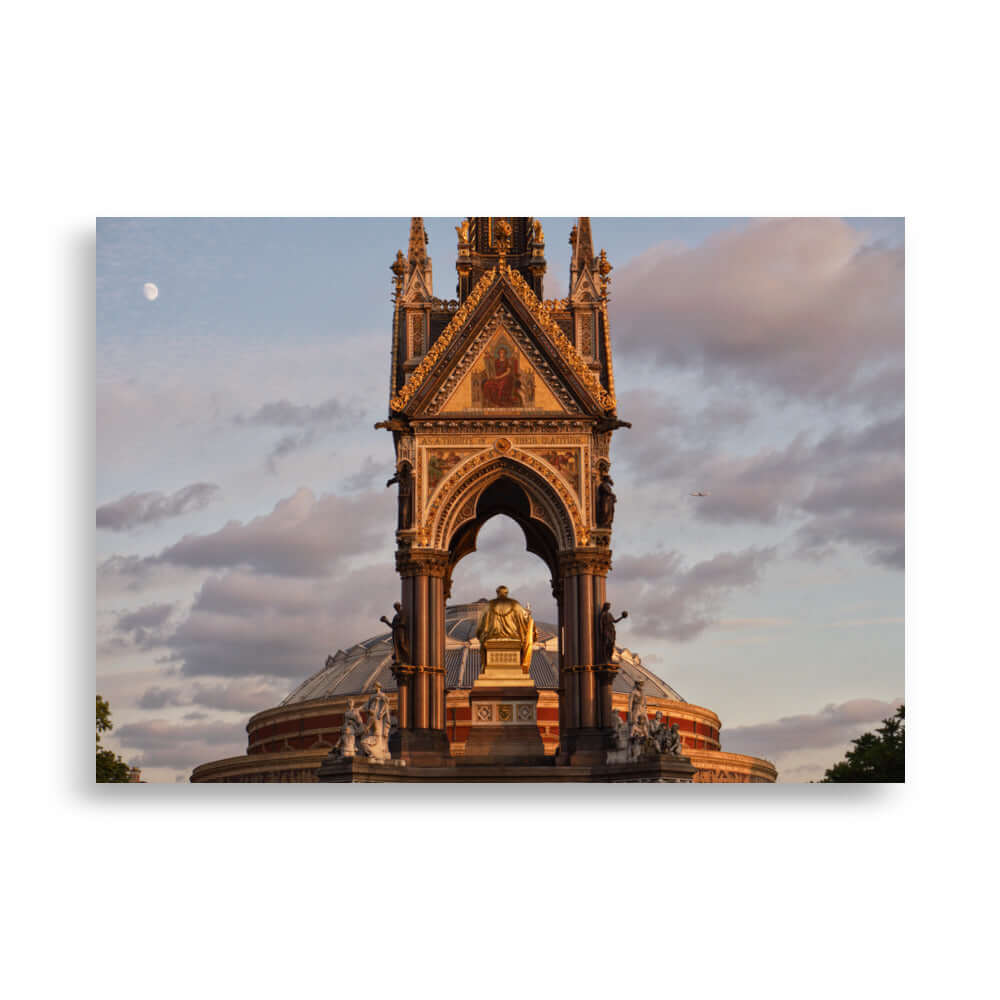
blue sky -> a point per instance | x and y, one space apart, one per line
246 530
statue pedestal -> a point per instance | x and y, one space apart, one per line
504 726
504 704
502 666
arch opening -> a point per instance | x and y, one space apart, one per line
500 555
506 499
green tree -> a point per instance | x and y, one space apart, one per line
110 767
878 756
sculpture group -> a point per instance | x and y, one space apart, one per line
642 735
370 739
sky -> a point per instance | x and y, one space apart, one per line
244 530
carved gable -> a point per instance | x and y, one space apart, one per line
502 352
504 375
584 291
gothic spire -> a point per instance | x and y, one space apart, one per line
583 247
417 253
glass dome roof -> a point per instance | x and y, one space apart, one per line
355 671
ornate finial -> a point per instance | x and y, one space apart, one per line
463 231
538 235
605 268
503 241
398 268
572 237
418 242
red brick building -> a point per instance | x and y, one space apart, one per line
290 741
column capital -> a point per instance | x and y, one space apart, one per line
422 562
585 560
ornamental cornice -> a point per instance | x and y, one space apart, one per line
513 425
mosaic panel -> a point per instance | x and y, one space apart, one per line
440 461
503 379
567 461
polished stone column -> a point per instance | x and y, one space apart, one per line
436 657
569 679
421 624
559 594
422 736
585 653
606 674
584 722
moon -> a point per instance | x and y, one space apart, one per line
150 290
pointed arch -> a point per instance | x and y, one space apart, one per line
548 514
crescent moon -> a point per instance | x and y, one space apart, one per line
150 290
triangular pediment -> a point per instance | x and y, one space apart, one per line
502 378
584 291
461 368
416 287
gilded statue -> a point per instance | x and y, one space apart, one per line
502 239
505 618
463 231
538 234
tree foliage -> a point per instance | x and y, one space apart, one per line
110 767
878 756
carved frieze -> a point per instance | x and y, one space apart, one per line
530 425
585 334
416 320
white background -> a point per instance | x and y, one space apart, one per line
623 109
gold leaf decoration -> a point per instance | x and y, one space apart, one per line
566 349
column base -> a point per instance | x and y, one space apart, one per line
421 747
585 747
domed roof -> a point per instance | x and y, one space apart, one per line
356 670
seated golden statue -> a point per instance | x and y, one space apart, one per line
505 618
